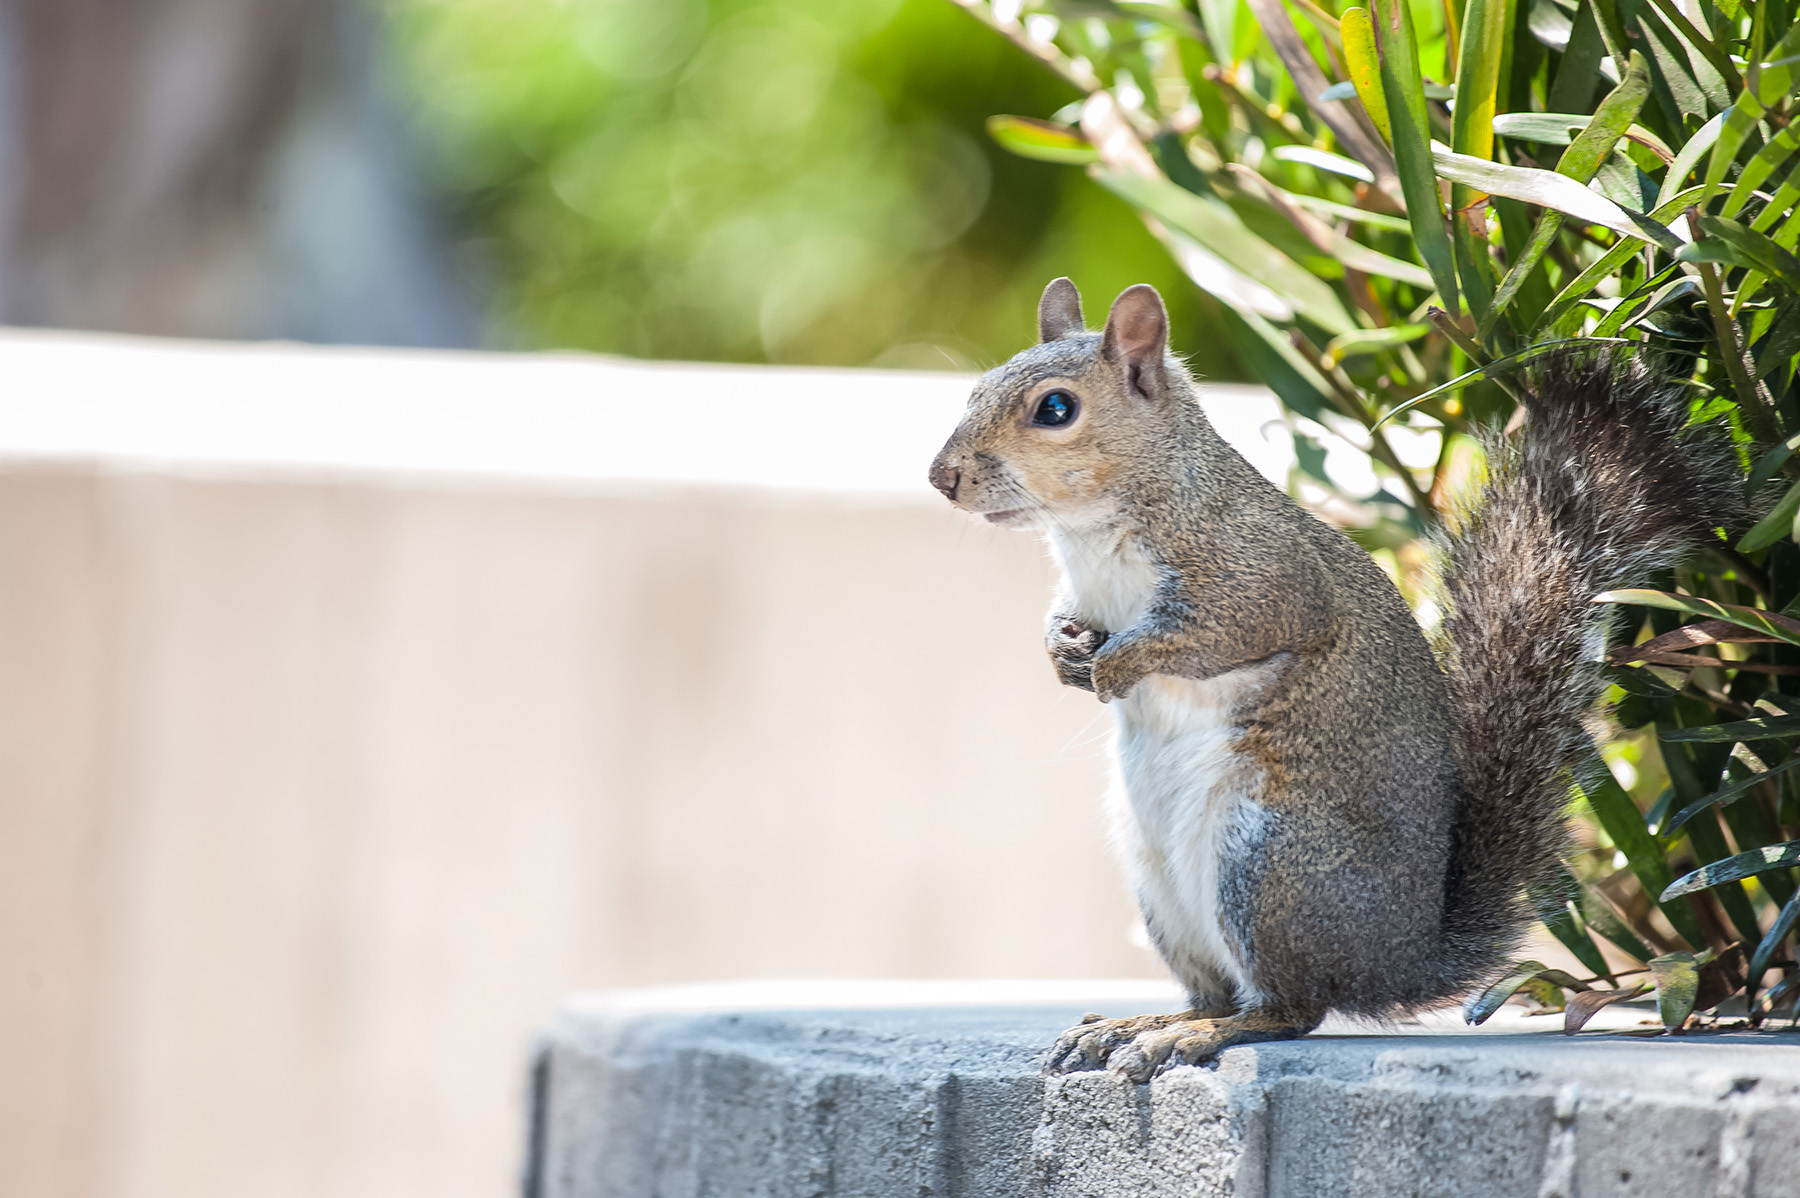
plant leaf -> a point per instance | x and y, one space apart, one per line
1733 869
1549 189
1782 628
1690 636
1771 728
1042 140
1784 923
1584 1006
1728 793
1687 158
1624 823
1587 150
1560 128
1677 982
1775 526
1608 264
1364 66
1324 160
1410 132
1351 254
1255 274
1756 250
1477 1007
1720 977
1774 154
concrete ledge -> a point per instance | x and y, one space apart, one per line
932 1089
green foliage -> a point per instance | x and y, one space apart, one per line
786 180
1396 207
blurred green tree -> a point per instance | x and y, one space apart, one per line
757 180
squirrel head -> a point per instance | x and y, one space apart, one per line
1058 435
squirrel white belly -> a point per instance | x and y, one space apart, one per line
1319 812
1184 795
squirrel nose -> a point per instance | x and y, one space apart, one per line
946 477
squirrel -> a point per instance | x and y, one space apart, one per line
1320 811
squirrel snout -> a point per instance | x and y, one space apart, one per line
946 476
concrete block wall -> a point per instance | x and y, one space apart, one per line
891 1091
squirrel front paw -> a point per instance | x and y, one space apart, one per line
1072 647
1114 674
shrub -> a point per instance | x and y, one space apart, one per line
1396 206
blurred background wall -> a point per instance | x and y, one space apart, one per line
320 780
355 705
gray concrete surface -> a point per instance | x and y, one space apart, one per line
829 1090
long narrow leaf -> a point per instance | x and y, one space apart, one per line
1272 284
1352 254
1278 27
1765 948
1478 1006
1728 793
1687 158
1560 128
1586 1005
1782 628
1485 38
1716 57
1409 128
1042 140
1624 823
1579 287
1774 154
1733 869
1579 162
1779 523
1769 728
1361 60
1548 189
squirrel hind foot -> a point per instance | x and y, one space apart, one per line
1146 1046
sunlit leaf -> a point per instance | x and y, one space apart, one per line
1548 189
1324 160
1365 67
1370 341
1779 523
1253 273
1560 128
1782 628
1410 132
1031 138
1588 148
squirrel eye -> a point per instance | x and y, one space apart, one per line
1055 409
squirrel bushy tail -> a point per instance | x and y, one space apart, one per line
1606 485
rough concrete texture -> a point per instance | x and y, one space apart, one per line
829 1091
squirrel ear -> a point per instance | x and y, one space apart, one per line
1137 336
1059 312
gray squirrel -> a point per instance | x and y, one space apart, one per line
1319 812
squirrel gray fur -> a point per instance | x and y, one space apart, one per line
1319 812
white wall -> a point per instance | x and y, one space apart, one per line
354 705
